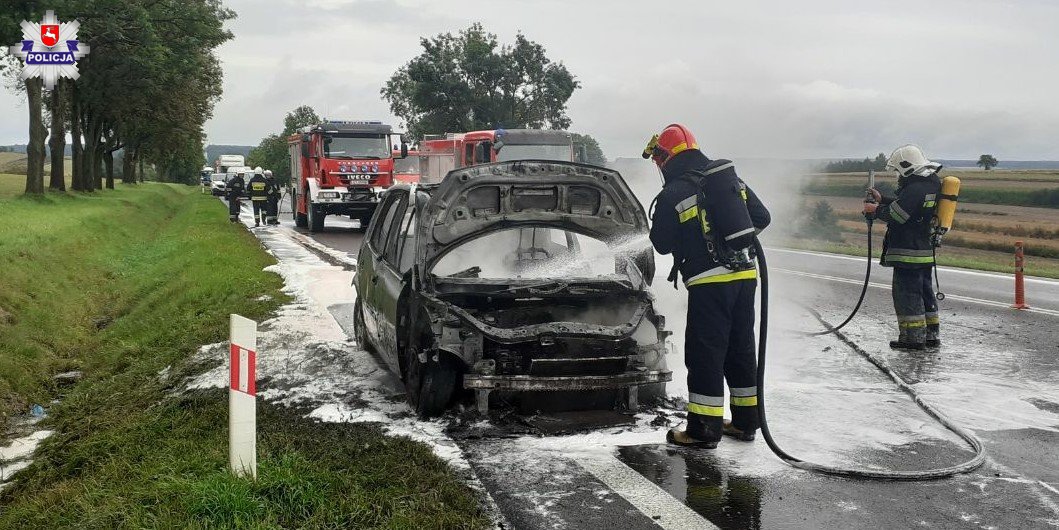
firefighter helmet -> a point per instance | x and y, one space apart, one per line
268 172
908 160
674 139
257 170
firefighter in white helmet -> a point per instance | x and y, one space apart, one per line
272 212
258 188
908 246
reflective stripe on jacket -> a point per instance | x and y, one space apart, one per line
908 219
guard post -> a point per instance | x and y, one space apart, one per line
242 397
1020 280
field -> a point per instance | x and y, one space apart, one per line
124 285
996 209
15 163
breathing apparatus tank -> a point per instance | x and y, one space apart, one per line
725 220
946 209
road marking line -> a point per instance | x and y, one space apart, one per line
1048 486
1049 312
956 270
645 495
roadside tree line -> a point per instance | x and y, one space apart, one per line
146 89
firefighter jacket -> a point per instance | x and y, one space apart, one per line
273 188
258 188
909 222
235 185
676 227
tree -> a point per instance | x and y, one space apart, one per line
588 145
821 224
856 166
11 17
987 162
470 81
272 152
298 118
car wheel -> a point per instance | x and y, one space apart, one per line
431 385
360 333
316 217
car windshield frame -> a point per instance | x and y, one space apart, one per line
357 146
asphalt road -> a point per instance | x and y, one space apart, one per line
997 374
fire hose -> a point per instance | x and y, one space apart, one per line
860 473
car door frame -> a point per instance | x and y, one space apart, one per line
366 278
388 284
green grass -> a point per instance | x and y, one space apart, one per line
1045 197
122 284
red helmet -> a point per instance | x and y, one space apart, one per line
674 139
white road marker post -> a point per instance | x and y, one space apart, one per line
242 397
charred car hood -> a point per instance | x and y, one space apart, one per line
580 198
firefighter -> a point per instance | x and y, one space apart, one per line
719 339
235 186
908 247
272 216
259 196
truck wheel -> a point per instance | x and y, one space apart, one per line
316 217
431 386
299 218
360 333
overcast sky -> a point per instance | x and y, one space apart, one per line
812 78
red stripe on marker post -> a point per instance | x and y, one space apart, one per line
244 370
242 397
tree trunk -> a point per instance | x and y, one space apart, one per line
98 169
140 160
91 150
76 152
37 132
128 170
58 140
108 160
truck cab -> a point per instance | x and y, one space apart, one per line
439 154
341 168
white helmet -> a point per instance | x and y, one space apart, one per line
257 170
908 160
268 172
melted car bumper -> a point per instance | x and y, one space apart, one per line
523 383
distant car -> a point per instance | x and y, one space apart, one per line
513 278
219 184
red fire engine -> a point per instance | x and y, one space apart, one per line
341 168
439 154
406 170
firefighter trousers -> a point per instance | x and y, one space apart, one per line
233 207
273 209
916 304
719 346
260 210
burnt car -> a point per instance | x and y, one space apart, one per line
514 279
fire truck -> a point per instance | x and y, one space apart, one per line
439 154
341 168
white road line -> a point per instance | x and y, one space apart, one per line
956 270
646 496
1048 486
992 303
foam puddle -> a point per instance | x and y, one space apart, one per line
17 455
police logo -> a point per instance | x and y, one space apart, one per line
50 49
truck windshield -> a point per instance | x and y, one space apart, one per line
372 147
562 153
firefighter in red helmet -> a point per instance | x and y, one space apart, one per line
707 218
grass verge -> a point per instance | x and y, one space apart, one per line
1045 197
124 284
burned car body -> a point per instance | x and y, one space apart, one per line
510 278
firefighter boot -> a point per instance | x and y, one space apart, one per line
933 336
734 432
912 339
702 431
